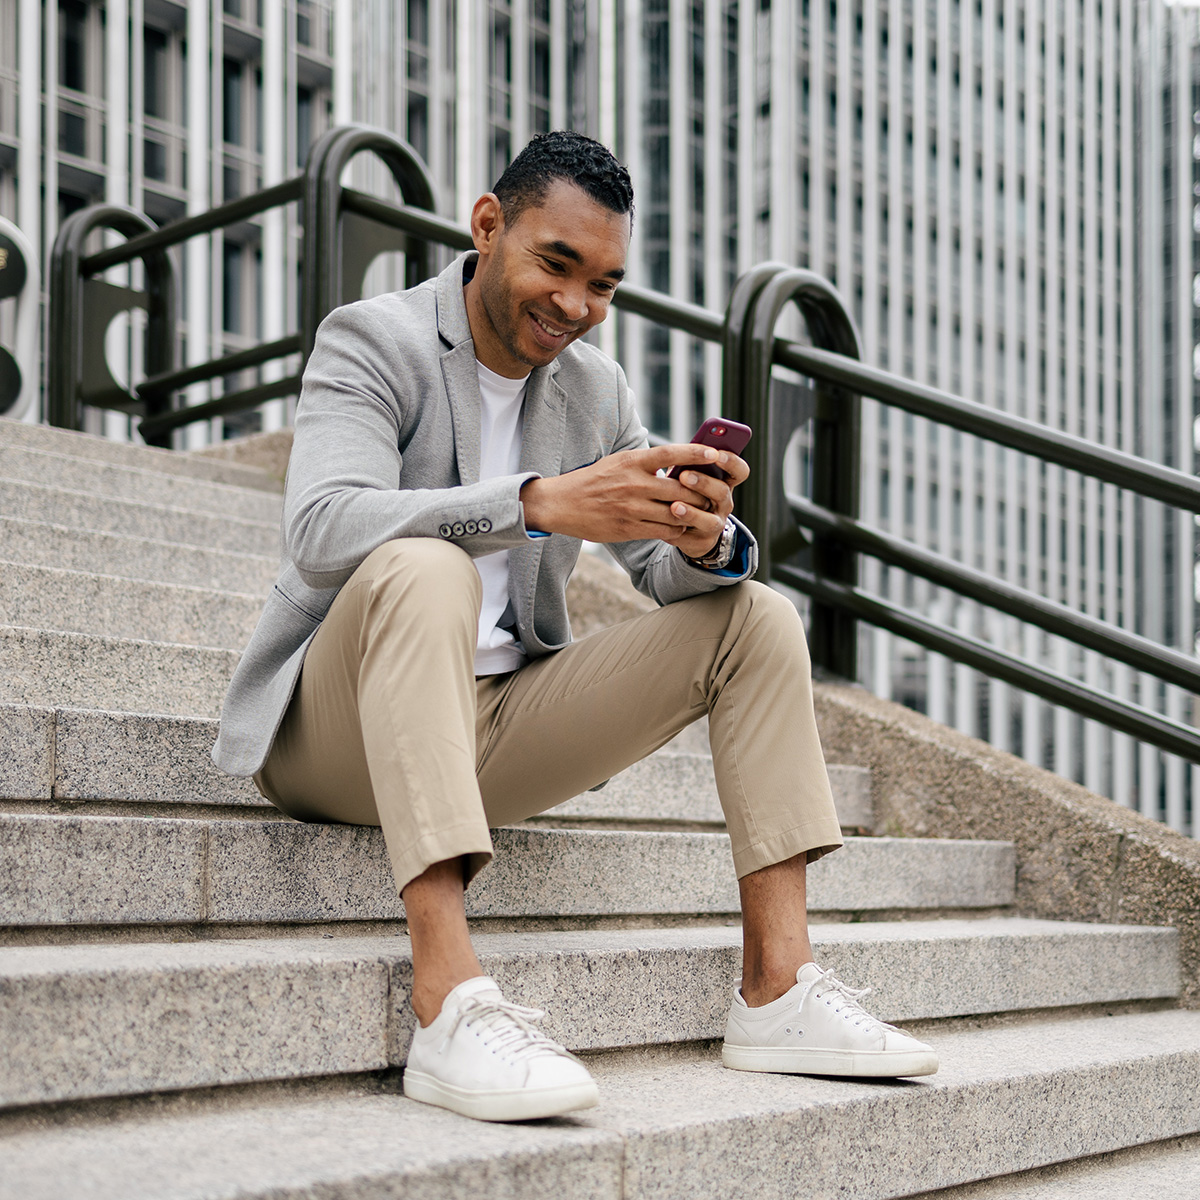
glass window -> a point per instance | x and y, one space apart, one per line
418 123
418 21
304 124
72 133
154 160
72 45
155 92
231 288
232 100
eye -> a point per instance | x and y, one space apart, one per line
552 265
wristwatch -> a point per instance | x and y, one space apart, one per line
721 554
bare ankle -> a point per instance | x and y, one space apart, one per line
427 1000
765 985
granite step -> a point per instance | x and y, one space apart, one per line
109 606
47 668
1167 1170
147 458
137 518
87 755
119 870
115 481
43 544
673 1124
88 1021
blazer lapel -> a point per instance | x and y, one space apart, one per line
458 368
544 423
543 430
462 389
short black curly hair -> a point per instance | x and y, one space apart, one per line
563 154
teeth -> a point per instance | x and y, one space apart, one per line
547 328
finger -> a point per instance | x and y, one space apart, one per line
703 522
713 495
737 470
682 454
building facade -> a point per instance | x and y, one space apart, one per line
1004 192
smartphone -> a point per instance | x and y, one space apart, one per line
724 435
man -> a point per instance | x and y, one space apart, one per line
414 669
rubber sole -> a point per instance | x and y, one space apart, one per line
859 1064
519 1104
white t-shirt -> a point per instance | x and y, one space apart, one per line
498 649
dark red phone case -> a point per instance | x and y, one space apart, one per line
724 435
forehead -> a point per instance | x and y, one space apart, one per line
567 215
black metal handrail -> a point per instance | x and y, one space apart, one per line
1101 462
78 376
751 350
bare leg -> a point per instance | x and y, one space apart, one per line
443 956
775 941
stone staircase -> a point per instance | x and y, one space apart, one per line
201 998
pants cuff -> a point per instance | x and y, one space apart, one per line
813 839
458 841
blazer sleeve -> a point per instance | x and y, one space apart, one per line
658 570
343 497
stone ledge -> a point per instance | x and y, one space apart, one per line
268 452
102 870
1165 1170
1080 857
43 544
137 518
127 482
87 1021
149 458
669 1125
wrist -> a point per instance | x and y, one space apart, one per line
721 554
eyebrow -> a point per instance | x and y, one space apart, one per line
566 250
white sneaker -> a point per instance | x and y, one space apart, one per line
818 1028
482 1058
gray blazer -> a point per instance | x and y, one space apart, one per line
387 446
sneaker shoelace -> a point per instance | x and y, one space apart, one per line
845 1000
506 1028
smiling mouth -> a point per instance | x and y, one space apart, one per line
549 329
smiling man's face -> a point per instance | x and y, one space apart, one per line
544 280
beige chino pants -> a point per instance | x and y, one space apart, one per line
389 726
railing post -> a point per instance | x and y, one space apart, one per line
321 216
753 313
19 281
77 374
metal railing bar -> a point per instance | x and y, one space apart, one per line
220 407
172 381
1138 652
1112 466
418 221
675 314
1138 722
188 227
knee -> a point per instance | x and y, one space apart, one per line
423 572
770 620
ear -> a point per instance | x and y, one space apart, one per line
487 223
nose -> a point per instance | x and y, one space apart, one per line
572 301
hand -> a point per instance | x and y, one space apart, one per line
622 498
